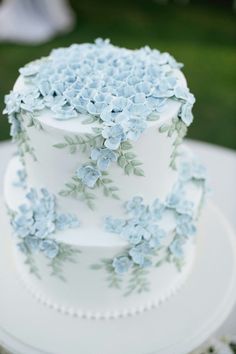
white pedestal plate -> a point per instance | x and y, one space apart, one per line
176 327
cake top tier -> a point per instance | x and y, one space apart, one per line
110 84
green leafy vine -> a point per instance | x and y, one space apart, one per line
128 160
81 143
76 189
30 262
138 282
24 147
114 280
178 127
66 254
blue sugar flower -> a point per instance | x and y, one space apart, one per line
115 107
88 175
31 101
12 102
176 248
163 89
183 93
186 113
135 127
135 206
114 225
157 209
32 243
157 237
114 135
186 226
64 112
50 248
198 171
104 157
192 170
21 179
36 222
126 90
185 207
30 69
185 171
134 233
172 200
45 88
54 102
139 254
67 221
23 222
44 226
121 264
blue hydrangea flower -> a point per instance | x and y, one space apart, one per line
67 221
176 248
139 254
21 179
198 171
88 175
186 113
185 171
114 225
64 112
157 209
158 235
104 157
134 233
185 226
193 170
31 101
135 206
36 222
135 128
30 69
185 207
183 93
23 223
173 199
121 264
114 135
32 243
115 107
50 248
12 102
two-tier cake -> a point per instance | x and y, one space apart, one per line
103 199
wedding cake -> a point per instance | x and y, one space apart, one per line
102 197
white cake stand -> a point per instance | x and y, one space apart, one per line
178 326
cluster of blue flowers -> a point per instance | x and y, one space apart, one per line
34 223
119 87
21 179
142 230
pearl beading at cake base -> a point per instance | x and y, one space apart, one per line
108 314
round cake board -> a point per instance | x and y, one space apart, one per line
177 326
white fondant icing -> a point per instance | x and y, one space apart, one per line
86 292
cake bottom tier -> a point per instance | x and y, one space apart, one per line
94 277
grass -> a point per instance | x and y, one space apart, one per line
202 37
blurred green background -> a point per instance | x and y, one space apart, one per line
202 35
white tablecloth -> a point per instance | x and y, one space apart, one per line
221 165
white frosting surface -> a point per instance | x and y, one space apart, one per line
86 292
